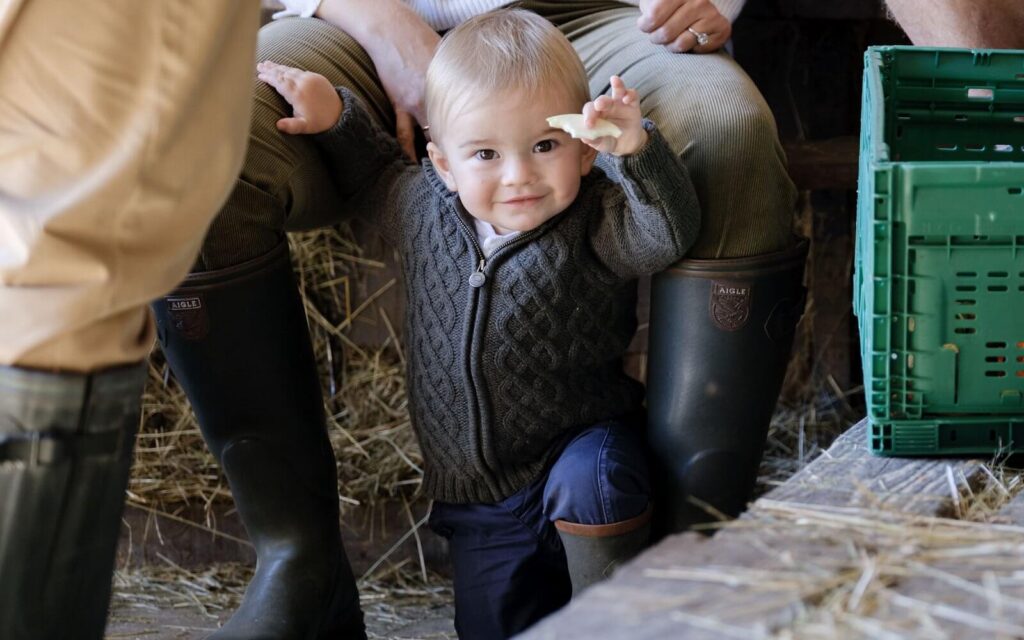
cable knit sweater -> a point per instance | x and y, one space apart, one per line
445 14
508 354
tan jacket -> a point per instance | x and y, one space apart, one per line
122 129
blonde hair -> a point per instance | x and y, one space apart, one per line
497 51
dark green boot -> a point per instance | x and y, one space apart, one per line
593 551
720 339
237 341
66 444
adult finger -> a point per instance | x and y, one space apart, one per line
405 133
683 44
676 24
716 30
654 13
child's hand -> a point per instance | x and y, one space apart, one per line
623 109
316 106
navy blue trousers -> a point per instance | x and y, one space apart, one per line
510 568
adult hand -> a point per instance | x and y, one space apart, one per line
402 68
400 44
677 23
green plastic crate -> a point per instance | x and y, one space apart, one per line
939 264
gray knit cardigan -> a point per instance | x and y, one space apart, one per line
507 355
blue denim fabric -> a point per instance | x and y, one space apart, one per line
510 569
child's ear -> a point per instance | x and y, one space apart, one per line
441 166
587 159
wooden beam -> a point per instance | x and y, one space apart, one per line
851 545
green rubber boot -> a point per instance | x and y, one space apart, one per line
66 444
237 341
593 551
720 341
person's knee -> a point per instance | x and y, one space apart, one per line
739 170
284 179
742 138
600 478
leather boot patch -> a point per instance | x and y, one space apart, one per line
188 317
730 304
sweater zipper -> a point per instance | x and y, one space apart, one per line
477 279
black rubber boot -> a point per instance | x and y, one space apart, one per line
66 444
720 339
237 341
592 552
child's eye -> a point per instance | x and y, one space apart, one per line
544 146
486 154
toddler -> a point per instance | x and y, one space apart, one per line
521 259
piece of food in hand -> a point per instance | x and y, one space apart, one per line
573 124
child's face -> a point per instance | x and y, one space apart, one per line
509 167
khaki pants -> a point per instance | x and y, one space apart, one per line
122 128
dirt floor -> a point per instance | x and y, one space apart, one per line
151 604
168 598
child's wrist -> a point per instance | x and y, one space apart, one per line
640 143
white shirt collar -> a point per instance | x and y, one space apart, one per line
489 238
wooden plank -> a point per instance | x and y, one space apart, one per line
847 474
1012 512
850 527
811 571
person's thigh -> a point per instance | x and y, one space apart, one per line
709 111
601 477
122 128
510 568
286 185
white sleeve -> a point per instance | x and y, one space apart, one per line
729 8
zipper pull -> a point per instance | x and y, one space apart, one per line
477 278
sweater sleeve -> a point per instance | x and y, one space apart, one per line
650 218
373 175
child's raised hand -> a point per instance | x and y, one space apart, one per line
316 106
622 108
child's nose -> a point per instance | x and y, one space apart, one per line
519 171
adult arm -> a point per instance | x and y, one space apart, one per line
401 46
650 218
983 24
